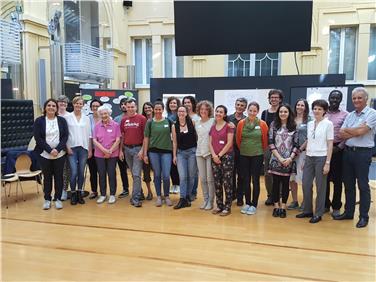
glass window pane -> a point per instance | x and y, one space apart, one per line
257 68
349 52
245 57
372 54
260 56
168 57
138 60
230 69
266 67
71 21
232 57
149 60
334 50
179 66
275 67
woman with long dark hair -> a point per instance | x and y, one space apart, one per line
184 138
283 143
301 111
51 135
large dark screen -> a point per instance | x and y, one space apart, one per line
233 27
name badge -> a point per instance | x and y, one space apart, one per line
127 120
303 125
221 142
257 127
185 131
166 125
109 130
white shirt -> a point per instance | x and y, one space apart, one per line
317 138
79 131
52 138
202 129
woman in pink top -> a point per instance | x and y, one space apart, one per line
106 140
221 137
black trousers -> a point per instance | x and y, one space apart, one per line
93 173
107 167
123 174
52 169
146 170
279 180
237 186
174 175
250 167
335 175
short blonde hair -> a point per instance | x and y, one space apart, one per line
207 104
76 99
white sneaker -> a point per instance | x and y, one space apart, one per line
101 199
168 201
47 205
58 205
244 209
177 189
172 189
251 210
204 204
64 196
112 199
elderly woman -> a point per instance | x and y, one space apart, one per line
78 148
106 140
51 135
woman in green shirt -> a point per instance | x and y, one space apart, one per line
158 150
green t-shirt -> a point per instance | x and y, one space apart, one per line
159 134
251 144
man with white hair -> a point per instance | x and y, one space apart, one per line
358 130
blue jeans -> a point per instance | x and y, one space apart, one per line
77 163
187 168
161 164
135 166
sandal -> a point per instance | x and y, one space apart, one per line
216 211
225 213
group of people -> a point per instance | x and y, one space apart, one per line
226 152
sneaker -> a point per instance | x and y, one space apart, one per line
112 199
252 210
64 196
244 209
158 202
93 195
47 205
101 199
58 204
204 204
168 201
176 189
336 213
293 206
123 194
209 206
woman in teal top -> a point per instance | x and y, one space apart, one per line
158 150
252 141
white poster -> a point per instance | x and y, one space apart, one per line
228 97
316 93
179 96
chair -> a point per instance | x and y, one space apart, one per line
23 164
9 178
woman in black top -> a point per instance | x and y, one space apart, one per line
184 155
51 135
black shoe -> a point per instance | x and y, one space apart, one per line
142 197
73 199
80 198
282 213
239 203
123 194
303 215
135 203
343 216
93 195
315 219
269 201
149 197
363 222
327 210
181 204
276 212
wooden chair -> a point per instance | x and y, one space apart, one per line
23 164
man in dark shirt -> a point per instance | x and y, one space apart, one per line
240 107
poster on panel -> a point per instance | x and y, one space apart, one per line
315 93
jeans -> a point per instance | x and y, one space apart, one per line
187 168
123 173
107 167
356 168
206 177
250 167
52 168
161 165
313 169
135 166
92 164
77 162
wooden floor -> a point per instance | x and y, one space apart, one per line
121 243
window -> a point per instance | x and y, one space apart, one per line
142 58
372 54
172 66
260 64
342 48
